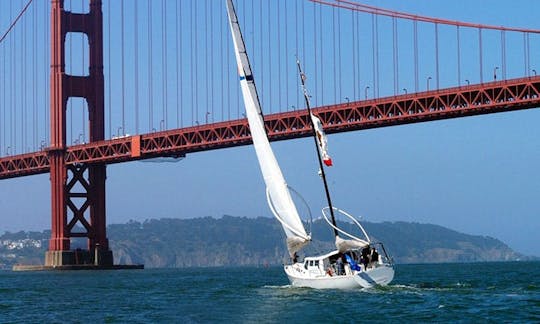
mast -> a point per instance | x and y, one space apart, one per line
314 133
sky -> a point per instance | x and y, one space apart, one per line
476 175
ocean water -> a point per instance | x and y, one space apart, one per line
485 292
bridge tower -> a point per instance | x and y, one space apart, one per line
77 191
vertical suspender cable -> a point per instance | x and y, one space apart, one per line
4 104
136 63
224 65
123 67
164 62
206 56
34 78
24 119
339 56
315 39
47 58
415 28
437 55
109 68
12 100
503 54
178 53
297 50
71 73
334 52
458 56
192 57
321 57
271 95
196 97
354 21
394 52
228 78
528 65
211 47
84 73
480 55
374 54
261 42
279 81
287 60
150 72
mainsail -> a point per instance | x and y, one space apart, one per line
278 193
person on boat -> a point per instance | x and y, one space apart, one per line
340 268
295 257
365 257
330 271
374 257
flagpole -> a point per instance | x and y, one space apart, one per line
314 133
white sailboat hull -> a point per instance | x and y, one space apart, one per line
378 276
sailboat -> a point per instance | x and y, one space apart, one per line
356 262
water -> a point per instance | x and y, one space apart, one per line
492 292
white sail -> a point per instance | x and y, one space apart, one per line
280 199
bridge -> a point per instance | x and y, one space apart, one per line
140 79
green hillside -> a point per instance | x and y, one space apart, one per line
239 241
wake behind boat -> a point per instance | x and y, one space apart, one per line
356 262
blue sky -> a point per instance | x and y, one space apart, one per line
476 175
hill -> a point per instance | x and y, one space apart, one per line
239 241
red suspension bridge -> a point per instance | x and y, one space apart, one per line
132 80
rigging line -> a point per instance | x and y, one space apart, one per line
314 134
136 50
14 22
